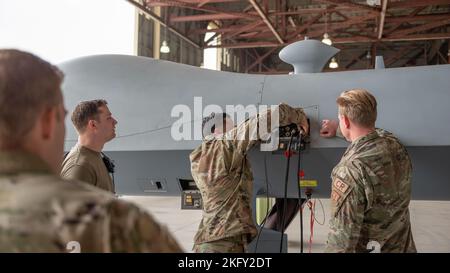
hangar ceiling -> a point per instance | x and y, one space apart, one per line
405 32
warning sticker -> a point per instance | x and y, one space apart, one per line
308 183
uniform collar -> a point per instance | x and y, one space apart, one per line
86 149
363 139
214 137
12 162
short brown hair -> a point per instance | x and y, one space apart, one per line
85 111
359 106
28 85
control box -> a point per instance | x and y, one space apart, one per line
190 194
289 135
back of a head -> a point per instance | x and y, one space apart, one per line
85 111
28 84
359 106
47 214
213 121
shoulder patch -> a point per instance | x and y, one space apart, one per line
335 197
340 186
339 193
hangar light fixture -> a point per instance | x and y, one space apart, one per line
164 47
326 39
333 63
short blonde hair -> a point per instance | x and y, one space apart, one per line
359 106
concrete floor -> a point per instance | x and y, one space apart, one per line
430 223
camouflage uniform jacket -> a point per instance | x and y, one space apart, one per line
371 190
40 212
223 175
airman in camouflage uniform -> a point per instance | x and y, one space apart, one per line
222 173
371 186
39 211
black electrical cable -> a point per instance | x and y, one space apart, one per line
267 203
300 192
323 213
110 167
288 154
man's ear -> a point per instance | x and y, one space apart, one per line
346 122
91 124
48 122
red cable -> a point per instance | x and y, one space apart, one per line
311 206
